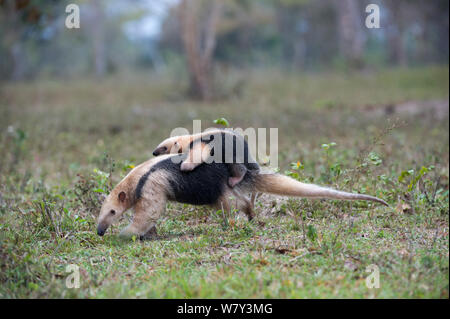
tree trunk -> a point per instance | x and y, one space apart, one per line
11 40
352 37
199 58
395 32
98 38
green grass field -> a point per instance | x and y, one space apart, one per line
65 143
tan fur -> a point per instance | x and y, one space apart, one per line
152 203
283 185
180 144
197 155
147 209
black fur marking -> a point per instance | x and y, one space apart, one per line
202 186
141 183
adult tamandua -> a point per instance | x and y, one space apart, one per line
201 148
151 184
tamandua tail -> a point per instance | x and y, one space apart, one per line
284 185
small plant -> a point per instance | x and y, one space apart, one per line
296 168
333 169
222 121
91 190
411 179
14 144
311 233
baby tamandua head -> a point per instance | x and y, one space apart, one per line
180 144
173 145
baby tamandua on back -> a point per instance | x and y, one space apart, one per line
200 148
151 184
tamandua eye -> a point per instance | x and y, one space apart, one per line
112 212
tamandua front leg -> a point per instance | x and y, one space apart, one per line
151 234
146 213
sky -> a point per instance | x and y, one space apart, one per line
149 25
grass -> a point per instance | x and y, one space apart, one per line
66 143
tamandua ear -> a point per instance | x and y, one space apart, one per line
122 196
177 147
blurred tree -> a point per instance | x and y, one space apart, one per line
417 31
216 35
309 32
34 40
351 31
306 34
19 21
97 25
292 24
396 31
199 40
